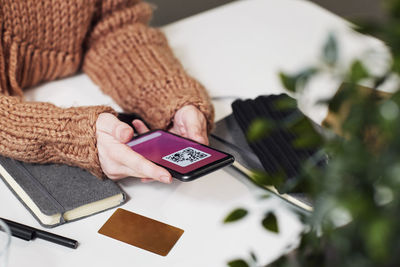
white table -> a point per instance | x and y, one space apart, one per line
234 50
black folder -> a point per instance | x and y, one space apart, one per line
270 153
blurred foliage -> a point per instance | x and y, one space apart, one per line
258 129
356 196
238 263
270 222
235 215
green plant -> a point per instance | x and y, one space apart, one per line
356 196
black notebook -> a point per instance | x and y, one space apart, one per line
56 194
267 154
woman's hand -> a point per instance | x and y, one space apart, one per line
117 160
191 123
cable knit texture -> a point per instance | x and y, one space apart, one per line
49 39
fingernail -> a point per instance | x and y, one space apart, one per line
165 179
124 134
200 139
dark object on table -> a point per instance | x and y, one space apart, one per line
28 233
129 117
270 153
56 193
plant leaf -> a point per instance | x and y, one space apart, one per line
258 129
253 256
358 72
330 51
285 103
235 215
344 93
266 196
270 223
304 76
306 135
262 178
238 263
377 237
288 81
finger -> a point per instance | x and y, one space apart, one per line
140 126
196 130
177 130
109 124
199 138
114 163
117 172
143 168
147 180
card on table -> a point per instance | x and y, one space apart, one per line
141 232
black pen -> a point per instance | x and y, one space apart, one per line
29 233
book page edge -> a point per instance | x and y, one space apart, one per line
94 207
45 219
286 197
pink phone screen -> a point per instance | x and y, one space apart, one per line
176 153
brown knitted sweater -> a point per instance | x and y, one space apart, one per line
109 39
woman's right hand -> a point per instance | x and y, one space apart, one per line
117 160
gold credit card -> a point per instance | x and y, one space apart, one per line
141 232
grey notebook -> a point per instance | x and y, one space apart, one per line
228 136
56 194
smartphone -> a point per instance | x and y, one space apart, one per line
185 159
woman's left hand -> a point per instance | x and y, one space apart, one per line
191 123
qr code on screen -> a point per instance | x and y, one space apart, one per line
186 156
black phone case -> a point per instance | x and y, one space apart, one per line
190 176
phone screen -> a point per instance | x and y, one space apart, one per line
174 152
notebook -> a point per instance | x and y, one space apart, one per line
269 153
56 194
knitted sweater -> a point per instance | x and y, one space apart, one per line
110 41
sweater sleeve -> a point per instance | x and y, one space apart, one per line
133 63
43 133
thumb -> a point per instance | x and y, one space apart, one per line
110 124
